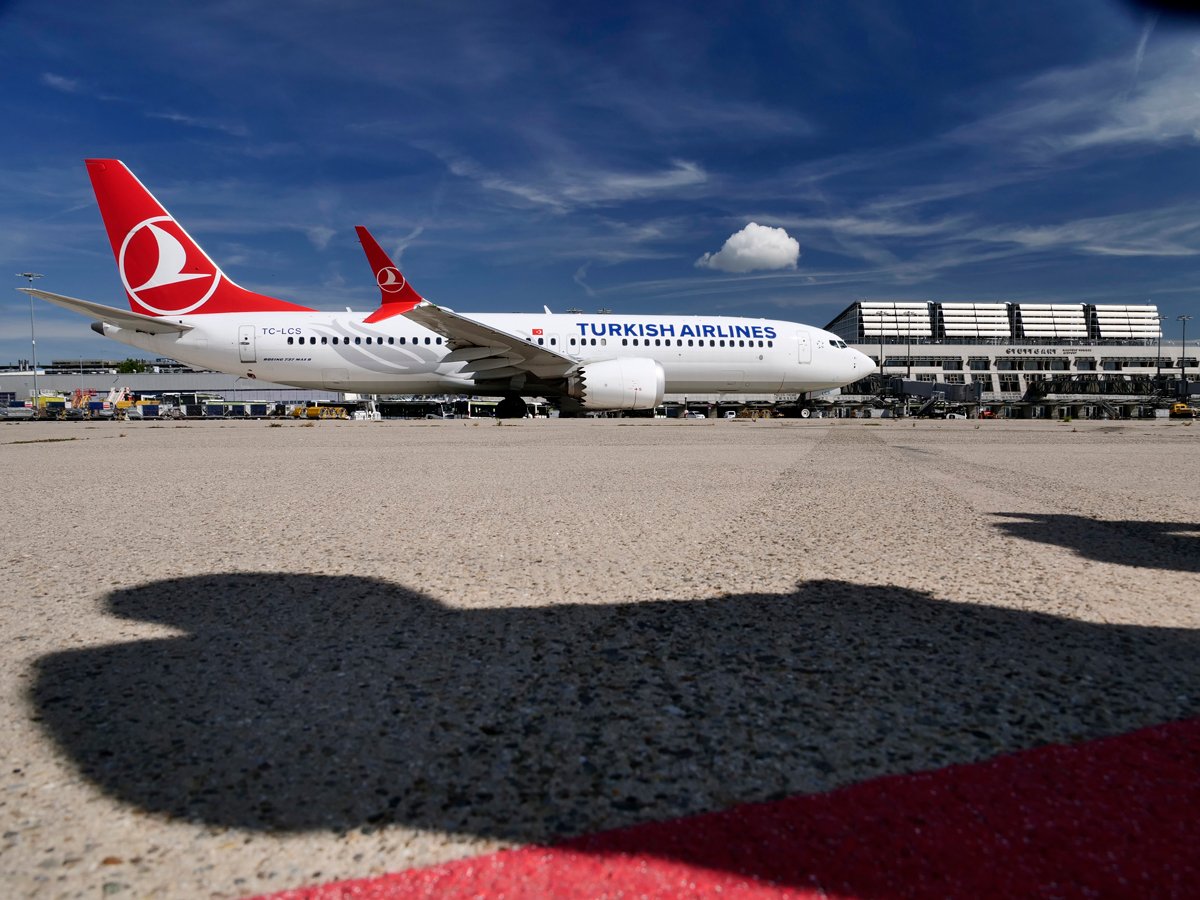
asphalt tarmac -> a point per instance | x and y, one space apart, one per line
244 657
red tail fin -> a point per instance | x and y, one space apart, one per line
164 271
396 295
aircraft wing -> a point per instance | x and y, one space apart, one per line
488 352
121 318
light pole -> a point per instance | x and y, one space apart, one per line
908 317
1158 357
1183 320
882 329
32 336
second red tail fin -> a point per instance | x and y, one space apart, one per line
396 294
164 271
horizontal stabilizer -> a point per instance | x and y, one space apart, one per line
119 317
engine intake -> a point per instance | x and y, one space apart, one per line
619 384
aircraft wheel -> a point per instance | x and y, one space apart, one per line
511 408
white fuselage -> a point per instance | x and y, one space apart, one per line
338 351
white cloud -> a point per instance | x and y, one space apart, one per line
570 183
580 279
61 83
1166 232
198 122
753 248
320 235
600 187
1096 106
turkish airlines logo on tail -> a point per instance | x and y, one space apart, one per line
160 272
390 280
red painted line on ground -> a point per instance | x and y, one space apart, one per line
1113 817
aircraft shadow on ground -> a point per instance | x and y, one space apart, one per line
1147 545
302 702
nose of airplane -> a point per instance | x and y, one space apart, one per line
863 364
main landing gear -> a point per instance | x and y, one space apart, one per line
511 408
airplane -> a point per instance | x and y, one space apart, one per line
183 306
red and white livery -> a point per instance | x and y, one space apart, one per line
183 306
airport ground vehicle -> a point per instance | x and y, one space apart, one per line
1183 411
318 411
18 409
987 414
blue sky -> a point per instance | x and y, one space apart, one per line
512 155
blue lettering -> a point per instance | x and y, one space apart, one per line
707 331
756 331
741 331
651 330
614 329
582 327
666 330
629 332
597 330
686 331
769 331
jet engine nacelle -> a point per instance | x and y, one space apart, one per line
619 384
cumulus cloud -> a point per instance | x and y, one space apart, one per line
754 247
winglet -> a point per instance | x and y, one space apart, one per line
395 293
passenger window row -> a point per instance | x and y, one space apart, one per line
666 342
625 342
362 340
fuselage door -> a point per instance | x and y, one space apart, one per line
803 347
246 343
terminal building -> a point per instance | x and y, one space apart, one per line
1027 360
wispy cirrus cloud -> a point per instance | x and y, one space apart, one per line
570 184
61 83
78 87
587 187
230 128
1099 105
1167 232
